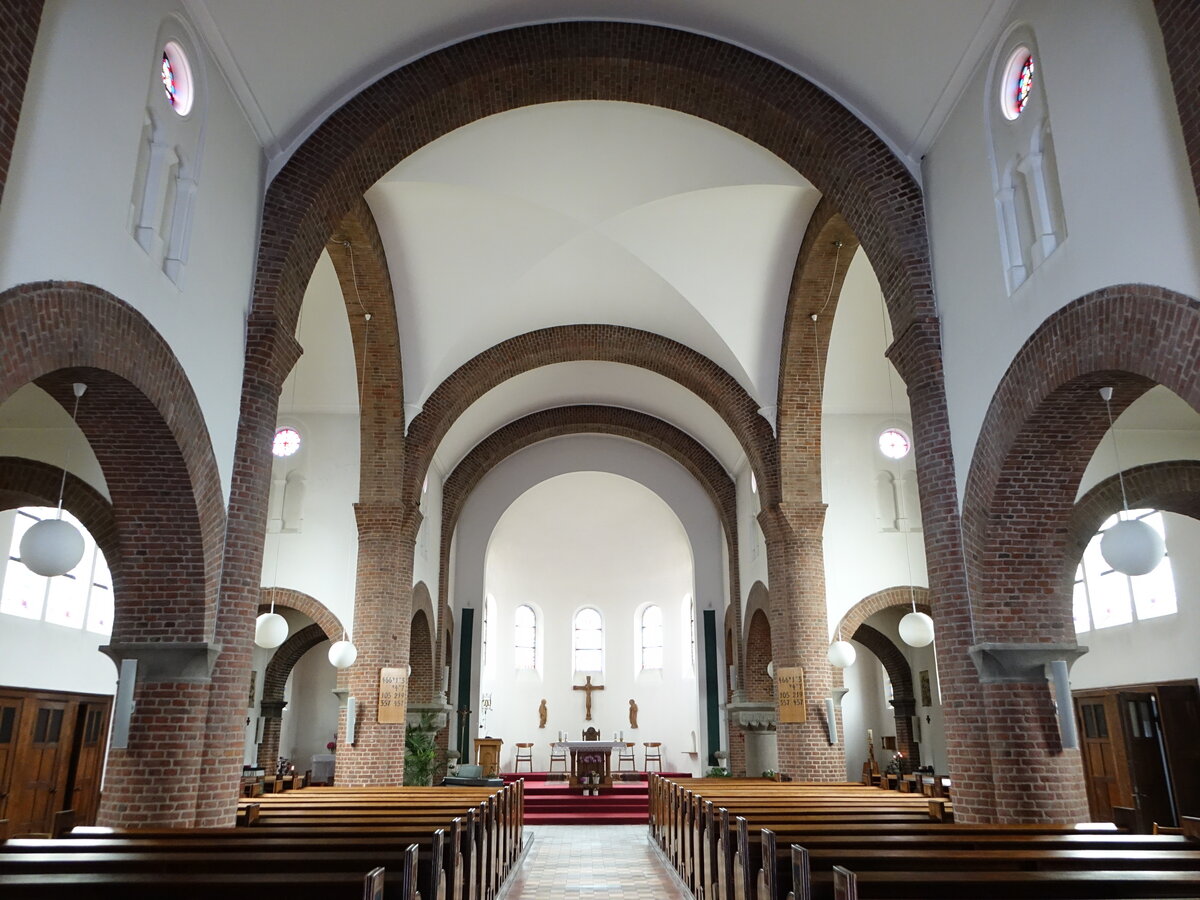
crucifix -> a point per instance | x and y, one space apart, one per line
589 687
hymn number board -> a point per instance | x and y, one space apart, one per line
789 681
393 696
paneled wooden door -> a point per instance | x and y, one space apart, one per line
10 723
39 781
1105 770
1147 759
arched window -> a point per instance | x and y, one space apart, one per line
589 641
651 631
525 638
1105 597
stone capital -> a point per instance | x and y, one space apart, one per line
167 662
1020 663
753 715
271 709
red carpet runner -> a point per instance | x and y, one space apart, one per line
553 803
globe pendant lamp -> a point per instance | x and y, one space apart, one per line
342 654
270 629
916 629
54 546
841 654
1132 546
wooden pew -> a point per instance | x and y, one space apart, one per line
203 886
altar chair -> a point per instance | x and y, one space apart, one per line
524 754
653 754
558 753
625 755
591 734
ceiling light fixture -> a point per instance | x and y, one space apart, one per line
1131 546
54 546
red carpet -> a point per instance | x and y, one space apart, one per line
553 803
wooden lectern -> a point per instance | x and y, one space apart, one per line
487 754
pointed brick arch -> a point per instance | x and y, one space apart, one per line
901 595
310 606
274 681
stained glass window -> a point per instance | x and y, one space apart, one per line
168 80
287 442
1023 84
894 443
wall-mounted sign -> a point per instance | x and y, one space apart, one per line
789 681
393 696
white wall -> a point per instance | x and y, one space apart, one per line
310 719
321 558
33 425
1130 209
752 545
429 537
589 453
859 558
68 221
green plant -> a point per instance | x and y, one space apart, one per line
420 751
769 773
718 772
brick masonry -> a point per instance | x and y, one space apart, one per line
19 24
1044 423
1180 23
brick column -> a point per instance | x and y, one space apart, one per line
1180 23
382 612
19 24
800 634
271 352
268 748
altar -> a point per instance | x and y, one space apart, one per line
591 758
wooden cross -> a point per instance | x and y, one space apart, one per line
589 687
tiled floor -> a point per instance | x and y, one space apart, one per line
577 862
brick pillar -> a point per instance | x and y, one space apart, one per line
268 748
800 634
905 708
1180 23
382 613
271 352
19 24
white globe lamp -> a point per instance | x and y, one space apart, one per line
916 629
270 630
1132 547
841 654
51 547
342 654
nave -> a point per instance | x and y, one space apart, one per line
569 862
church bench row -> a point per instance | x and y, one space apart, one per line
706 857
203 886
441 852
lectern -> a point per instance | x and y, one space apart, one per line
487 754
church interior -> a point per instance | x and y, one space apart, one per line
800 391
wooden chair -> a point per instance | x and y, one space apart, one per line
524 754
625 755
591 734
653 754
558 753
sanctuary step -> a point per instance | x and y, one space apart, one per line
554 803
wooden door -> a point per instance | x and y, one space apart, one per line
10 725
40 776
1103 752
1179 709
87 760
1147 764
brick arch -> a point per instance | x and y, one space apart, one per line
1041 429
568 420
420 654
331 626
1171 486
606 343
275 678
756 681
421 101
904 701
28 482
816 287
144 424
899 595
758 598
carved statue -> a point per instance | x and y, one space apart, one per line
542 714
633 714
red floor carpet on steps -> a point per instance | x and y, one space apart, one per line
553 803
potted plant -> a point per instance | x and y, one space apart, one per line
420 751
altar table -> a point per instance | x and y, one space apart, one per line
591 758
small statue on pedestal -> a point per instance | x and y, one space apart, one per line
542 714
633 714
